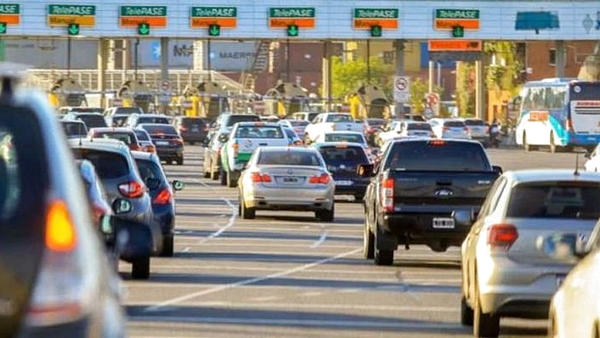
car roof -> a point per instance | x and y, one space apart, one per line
259 124
115 129
72 121
110 145
141 155
337 144
153 125
78 113
427 139
284 148
343 132
542 175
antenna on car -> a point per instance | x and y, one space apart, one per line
10 74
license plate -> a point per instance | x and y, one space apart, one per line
195 130
162 143
290 180
343 182
443 223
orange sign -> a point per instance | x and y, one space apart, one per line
455 45
450 23
10 19
538 116
285 22
368 23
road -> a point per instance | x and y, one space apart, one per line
286 274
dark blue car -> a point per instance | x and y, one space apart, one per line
162 195
342 160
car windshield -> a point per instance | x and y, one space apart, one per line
92 120
258 132
87 110
160 129
437 155
127 138
142 135
149 169
353 138
233 119
419 126
555 200
375 122
343 155
153 119
289 157
108 164
192 123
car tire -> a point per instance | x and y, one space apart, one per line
368 241
230 182
484 324
140 268
223 176
326 215
466 312
383 257
245 212
167 249
180 161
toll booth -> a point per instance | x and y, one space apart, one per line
135 93
590 69
213 100
189 101
285 99
67 92
368 101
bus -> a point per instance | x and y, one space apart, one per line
559 113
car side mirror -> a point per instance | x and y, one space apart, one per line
106 229
121 206
463 218
152 183
223 138
365 170
497 169
177 185
562 247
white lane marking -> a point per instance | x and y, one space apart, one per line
311 322
186 249
320 240
264 299
311 293
349 290
218 288
229 224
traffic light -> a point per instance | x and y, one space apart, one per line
73 29
292 30
3 27
458 31
376 31
214 30
143 28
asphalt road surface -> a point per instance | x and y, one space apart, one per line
284 274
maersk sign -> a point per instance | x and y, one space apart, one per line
71 10
292 12
143 10
368 13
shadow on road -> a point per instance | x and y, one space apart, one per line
427 264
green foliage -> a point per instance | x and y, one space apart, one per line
504 75
465 88
348 76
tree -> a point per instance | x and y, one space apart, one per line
348 76
503 73
465 88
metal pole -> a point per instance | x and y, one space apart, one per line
287 56
136 45
368 61
208 65
69 56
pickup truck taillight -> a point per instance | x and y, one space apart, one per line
387 194
502 235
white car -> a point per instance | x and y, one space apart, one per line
477 129
593 160
575 308
342 136
326 122
449 128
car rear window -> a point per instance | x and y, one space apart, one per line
437 155
108 164
344 154
474 123
419 126
87 110
353 138
119 120
141 135
454 124
192 123
149 169
127 138
93 121
298 158
555 200
162 129
127 111
339 118
233 119
259 132
74 128
153 119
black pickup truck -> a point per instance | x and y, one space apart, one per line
415 190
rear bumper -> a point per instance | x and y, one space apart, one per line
193 137
356 188
289 199
169 152
164 215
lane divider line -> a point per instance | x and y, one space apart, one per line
160 306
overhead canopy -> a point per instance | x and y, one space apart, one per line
211 88
287 90
68 92
135 88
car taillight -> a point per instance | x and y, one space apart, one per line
131 189
163 197
257 177
176 142
502 235
370 129
61 292
387 194
150 148
436 143
134 147
322 179
569 125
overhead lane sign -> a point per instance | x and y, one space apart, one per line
284 17
205 17
10 14
447 19
65 15
366 18
134 16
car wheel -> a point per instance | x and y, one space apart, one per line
167 249
368 241
140 268
247 213
230 182
383 257
180 161
358 198
326 215
484 324
466 313
223 177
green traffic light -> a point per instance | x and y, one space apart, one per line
144 29
214 30
376 31
458 31
3 27
292 30
73 29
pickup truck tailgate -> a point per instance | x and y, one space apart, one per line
345 126
439 188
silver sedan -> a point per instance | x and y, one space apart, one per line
286 178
